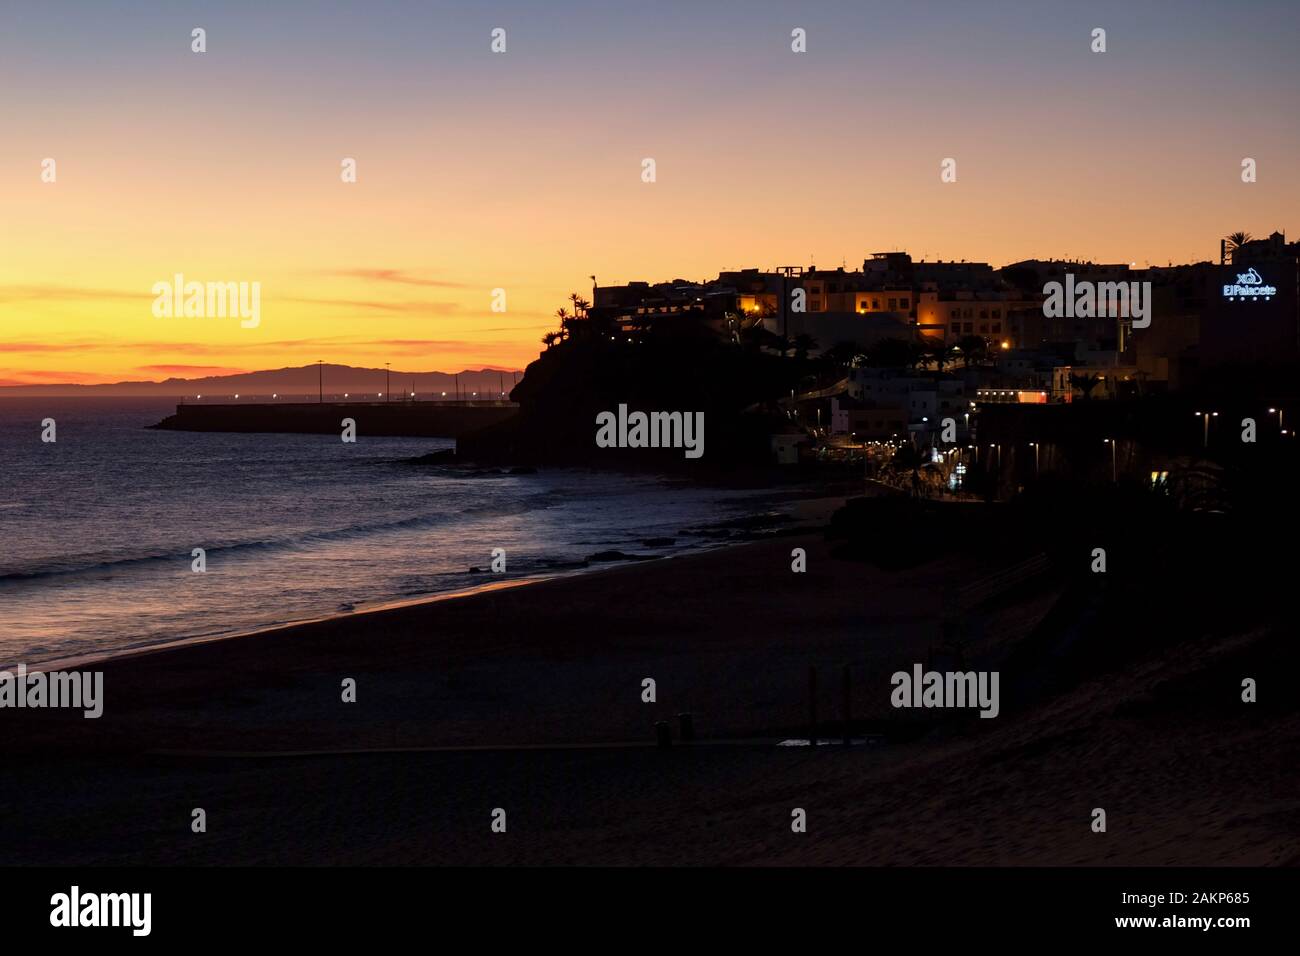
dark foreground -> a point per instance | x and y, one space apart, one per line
535 693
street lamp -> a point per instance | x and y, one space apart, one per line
1034 446
1278 412
1207 416
1111 442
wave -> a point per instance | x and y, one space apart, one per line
91 564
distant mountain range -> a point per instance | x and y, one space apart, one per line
304 380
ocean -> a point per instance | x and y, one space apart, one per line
98 529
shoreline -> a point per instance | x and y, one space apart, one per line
808 514
82 662
531 697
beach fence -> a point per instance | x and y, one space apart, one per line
842 725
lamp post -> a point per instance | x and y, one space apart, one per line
1113 476
1034 446
1207 416
1279 413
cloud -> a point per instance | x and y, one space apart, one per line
400 276
45 346
190 369
27 293
20 377
335 342
407 308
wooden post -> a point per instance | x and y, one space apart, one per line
812 705
847 703
687 722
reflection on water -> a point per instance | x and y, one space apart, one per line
97 531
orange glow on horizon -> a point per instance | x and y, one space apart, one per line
522 173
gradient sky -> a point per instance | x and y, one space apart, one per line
522 170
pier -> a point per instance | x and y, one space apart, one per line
424 419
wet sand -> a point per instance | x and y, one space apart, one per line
530 699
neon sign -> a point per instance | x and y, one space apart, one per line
1249 287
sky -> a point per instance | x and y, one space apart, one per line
522 170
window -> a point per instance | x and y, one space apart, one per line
956 326
997 327
997 313
875 303
904 303
984 313
970 327
984 328
893 304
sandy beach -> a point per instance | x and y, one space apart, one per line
452 721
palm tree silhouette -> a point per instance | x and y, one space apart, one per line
1085 383
941 355
975 348
1236 240
803 344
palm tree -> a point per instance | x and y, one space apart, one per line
563 315
1237 239
577 301
803 344
975 348
1085 383
890 353
908 458
550 338
843 355
942 355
